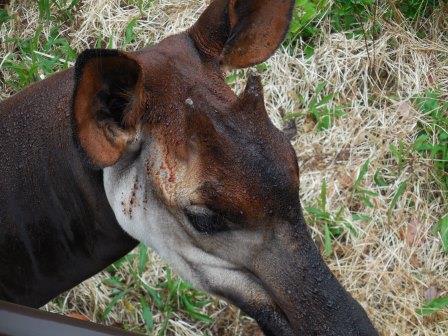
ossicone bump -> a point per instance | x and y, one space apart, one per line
252 98
253 85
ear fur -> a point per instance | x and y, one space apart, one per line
241 33
105 104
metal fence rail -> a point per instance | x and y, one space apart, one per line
16 320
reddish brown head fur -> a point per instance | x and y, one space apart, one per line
201 174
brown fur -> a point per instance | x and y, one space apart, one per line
199 172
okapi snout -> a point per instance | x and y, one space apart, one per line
153 144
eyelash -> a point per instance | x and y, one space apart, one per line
207 223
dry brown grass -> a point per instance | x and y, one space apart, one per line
393 264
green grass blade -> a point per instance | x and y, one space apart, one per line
362 173
114 282
4 16
443 230
154 294
379 179
323 195
129 34
328 248
400 191
192 311
147 315
113 303
44 9
433 306
361 217
318 213
142 258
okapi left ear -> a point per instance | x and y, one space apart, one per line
241 33
106 104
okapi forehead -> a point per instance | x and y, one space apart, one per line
240 162
207 134
254 170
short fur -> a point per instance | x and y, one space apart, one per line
187 167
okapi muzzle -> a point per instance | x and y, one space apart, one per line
155 143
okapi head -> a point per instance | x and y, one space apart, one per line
201 174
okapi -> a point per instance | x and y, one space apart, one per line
153 146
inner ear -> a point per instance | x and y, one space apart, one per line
241 33
114 95
105 103
258 28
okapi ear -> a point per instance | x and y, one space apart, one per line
241 33
105 104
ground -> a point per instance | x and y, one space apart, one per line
365 113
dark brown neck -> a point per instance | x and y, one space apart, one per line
55 220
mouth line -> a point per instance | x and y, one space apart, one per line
267 315
262 306
271 295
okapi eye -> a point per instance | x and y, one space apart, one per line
207 222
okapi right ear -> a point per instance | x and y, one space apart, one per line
241 33
105 104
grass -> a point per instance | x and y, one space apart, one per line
356 17
37 59
442 228
168 296
433 306
432 143
319 109
366 84
432 140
